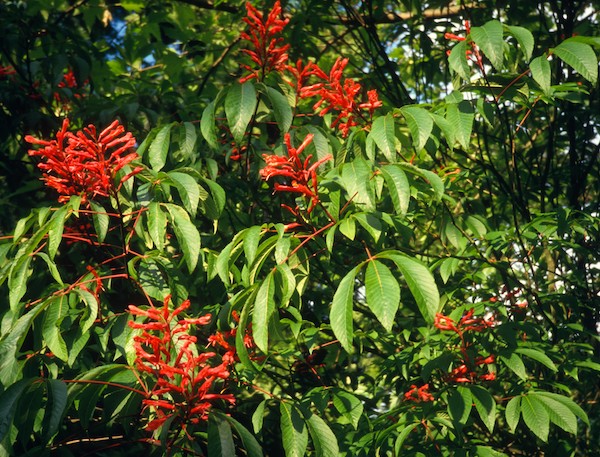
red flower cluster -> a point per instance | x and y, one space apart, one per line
184 377
418 394
226 341
85 163
340 96
302 178
268 53
7 71
474 51
466 372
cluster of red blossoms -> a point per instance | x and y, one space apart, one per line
418 394
334 92
300 175
473 52
84 163
183 376
466 371
226 340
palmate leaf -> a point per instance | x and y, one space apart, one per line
485 405
382 132
420 124
188 189
536 416
559 413
490 39
398 187
383 293
513 412
540 72
323 438
524 38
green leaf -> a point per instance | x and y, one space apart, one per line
92 305
157 225
432 178
490 39
157 152
580 57
458 61
461 117
220 439
573 407
398 187
537 356
406 431
188 189
51 331
258 416
420 282
56 229
382 132
58 401
215 201
323 438
356 179
190 136
540 72
513 412
251 239
559 413
349 406
347 227
420 124
264 306
524 38
341 310
51 267
294 433
536 416
17 281
515 363
382 292
100 219
240 104
208 127
249 443
485 405
281 109
460 403
187 235
8 404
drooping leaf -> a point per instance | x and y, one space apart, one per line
356 179
490 39
158 149
383 293
294 433
51 330
515 363
458 60
559 414
8 404
349 406
57 399
524 38
188 189
341 310
251 239
540 72
513 412
485 405
249 443
100 219
420 124
240 104
189 138
579 56
220 438
325 441
461 117
398 187
264 306
281 109
187 235
157 225
208 127
537 356
382 132
535 416
460 403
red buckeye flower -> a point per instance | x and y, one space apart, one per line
183 377
268 53
300 175
418 394
85 163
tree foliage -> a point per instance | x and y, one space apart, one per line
311 228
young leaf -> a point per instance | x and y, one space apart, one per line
579 56
540 72
490 40
240 104
398 187
341 310
258 416
157 152
294 433
536 416
420 124
382 131
485 405
264 306
323 438
383 293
